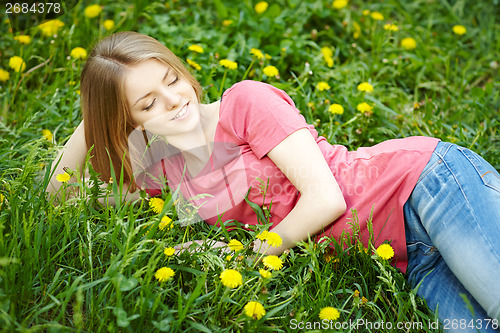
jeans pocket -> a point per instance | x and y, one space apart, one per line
486 171
422 258
420 248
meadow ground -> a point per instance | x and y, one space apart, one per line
361 71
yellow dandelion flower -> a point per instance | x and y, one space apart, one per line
263 235
265 273
327 257
270 71
366 12
385 251
254 310
336 109
377 16
229 64
166 222
329 313
235 245
409 43
391 27
459 29
78 53
108 24
231 278
326 51
261 7
273 262
229 257
50 28
274 239
195 48
257 53
17 64
23 39
4 75
92 11
327 55
169 251
164 274
329 62
2 198
193 64
364 300
47 134
361 248
63 177
227 23
156 205
357 30
364 107
339 4
323 86
355 293
365 86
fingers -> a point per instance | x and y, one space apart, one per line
187 246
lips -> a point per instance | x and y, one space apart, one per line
182 112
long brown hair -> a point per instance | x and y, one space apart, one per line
106 113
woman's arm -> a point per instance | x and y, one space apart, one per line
73 156
321 201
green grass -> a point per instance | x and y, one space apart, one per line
82 267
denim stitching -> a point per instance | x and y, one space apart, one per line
431 167
474 161
454 176
429 249
469 207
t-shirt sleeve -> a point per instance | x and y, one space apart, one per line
261 115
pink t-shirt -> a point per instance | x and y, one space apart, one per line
254 117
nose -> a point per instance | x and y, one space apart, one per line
171 98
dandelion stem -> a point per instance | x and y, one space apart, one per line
248 70
222 83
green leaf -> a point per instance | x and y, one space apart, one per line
163 325
126 284
121 317
221 9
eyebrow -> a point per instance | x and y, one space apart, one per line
149 93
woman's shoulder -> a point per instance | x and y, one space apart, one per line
249 84
254 91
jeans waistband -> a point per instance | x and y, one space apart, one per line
437 157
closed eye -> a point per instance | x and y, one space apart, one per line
150 106
174 81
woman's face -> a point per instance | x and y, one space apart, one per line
160 100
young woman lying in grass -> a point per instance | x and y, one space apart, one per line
437 203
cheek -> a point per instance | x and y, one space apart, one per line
136 120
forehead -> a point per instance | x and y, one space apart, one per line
142 78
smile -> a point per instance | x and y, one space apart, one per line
182 112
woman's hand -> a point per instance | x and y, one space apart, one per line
197 248
321 201
72 155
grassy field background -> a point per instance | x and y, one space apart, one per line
79 266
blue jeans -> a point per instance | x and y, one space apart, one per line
452 222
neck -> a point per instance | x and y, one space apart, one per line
197 147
